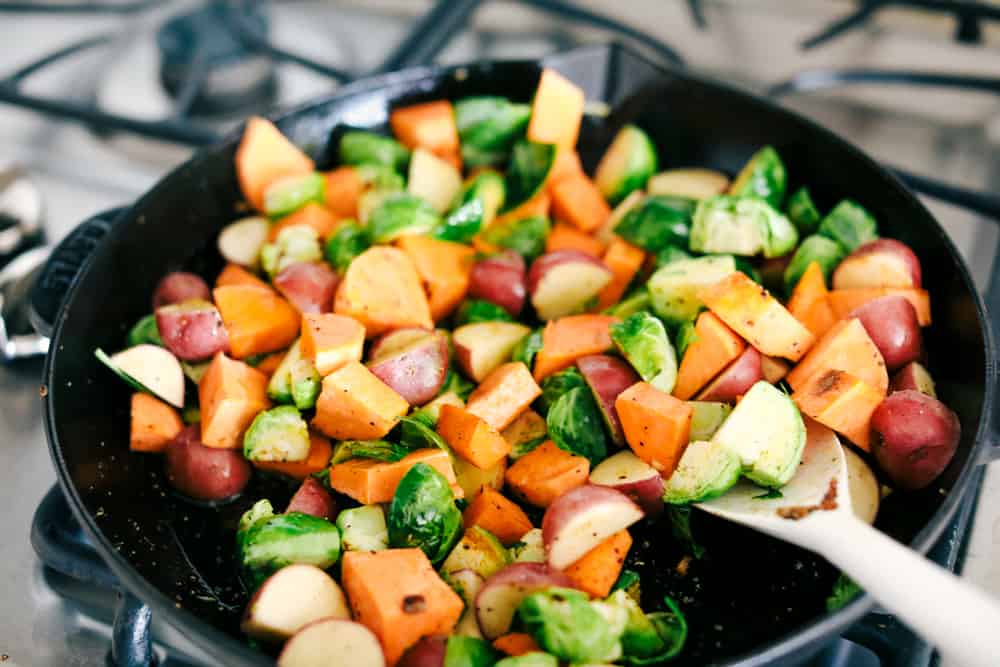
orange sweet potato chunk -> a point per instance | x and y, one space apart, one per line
230 395
657 425
471 437
599 568
503 395
311 215
625 260
565 236
444 267
841 402
715 348
537 205
577 200
355 405
257 320
234 274
515 644
382 290
265 155
843 301
343 190
154 424
809 303
846 347
545 473
371 481
493 511
329 341
320 452
429 125
568 338
397 594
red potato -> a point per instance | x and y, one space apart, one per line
483 346
627 473
428 652
394 341
312 498
180 286
416 372
502 593
581 519
500 279
607 377
204 473
290 599
891 322
736 379
879 263
332 642
913 376
309 286
917 436
564 281
192 330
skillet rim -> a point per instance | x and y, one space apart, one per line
225 647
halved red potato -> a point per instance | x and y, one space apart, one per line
913 376
563 282
204 473
482 346
736 379
180 286
416 371
394 341
891 322
503 592
428 652
332 642
917 437
607 377
627 473
193 330
309 286
312 498
290 599
581 519
879 263
500 279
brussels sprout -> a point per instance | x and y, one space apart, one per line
674 288
349 241
416 433
363 528
626 166
575 424
423 513
488 127
268 542
850 225
463 223
680 528
526 236
402 214
295 380
299 243
478 550
380 450
557 384
144 331
706 418
781 235
530 548
630 305
642 340
802 211
844 590
278 434
741 226
360 147
814 248
686 334
706 471
478 310
567 625
527 348
647 639
533 659
669 254
630 583
289 194
464 651
656 222
380 177
489 187
744 266
763 176
530 164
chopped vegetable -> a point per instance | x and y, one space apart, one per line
471 437
819 249
557 110
656 425
478 550
763 176
802 211
355 404
382 290
488 128
148 368
565 624
144 333
369 481
444 267
627 164
575 424
565 236
845 301
489 188
845 347
433 180
257 320
290 193
463 223
546 473
643 341
320 452
527 348
707 470
360 147
713 347
525 433
526 236
657 222
625 261
265 155
363 528
399 215
423 513
278 434
344 186
349 241
503 395
299 243
741 226
850 225
231 394
598 570
153 424
329 341
689 183
477 310
269 542
530 164
577 200
568 338
841 402
492 511
706 418
430 126
675 289
554 386
809 303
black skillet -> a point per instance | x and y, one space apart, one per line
749 601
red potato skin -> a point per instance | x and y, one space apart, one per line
570 503
204 473
551 260
529 576
607 377
736 379
891 323
394 341
192 330
500 279
418 371
899 266
917 438
646 492
428 652
913 376
180 286
309 286
312 498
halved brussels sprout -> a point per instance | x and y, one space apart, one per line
289 194
656 222
349 241
423 513
363 528
526 236
850 225
575 424
642 340
278 434
815 248
144 331
299 243
399 215
706 471
763 176
361 147
802 211
530 164
627 164
565 624
487 127
674 288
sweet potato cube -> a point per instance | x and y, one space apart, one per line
330 340
516 643
568 338
809 303
154 424
577 200
397 594
382 290
355 405
371 481
503 395
565 236
545 473
265 155
846 347
256 319
320 452
492 511
471 437
656 425
230 395
444 266
625 260
312 215
843 301
234 274
429 125
599 568
715 347
841 402
557 111
343 190
749 310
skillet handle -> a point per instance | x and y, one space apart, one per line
59 273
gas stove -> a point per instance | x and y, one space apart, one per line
108 95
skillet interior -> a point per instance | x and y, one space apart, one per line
747 592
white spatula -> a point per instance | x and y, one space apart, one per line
814 512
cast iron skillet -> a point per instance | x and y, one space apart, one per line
749 601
